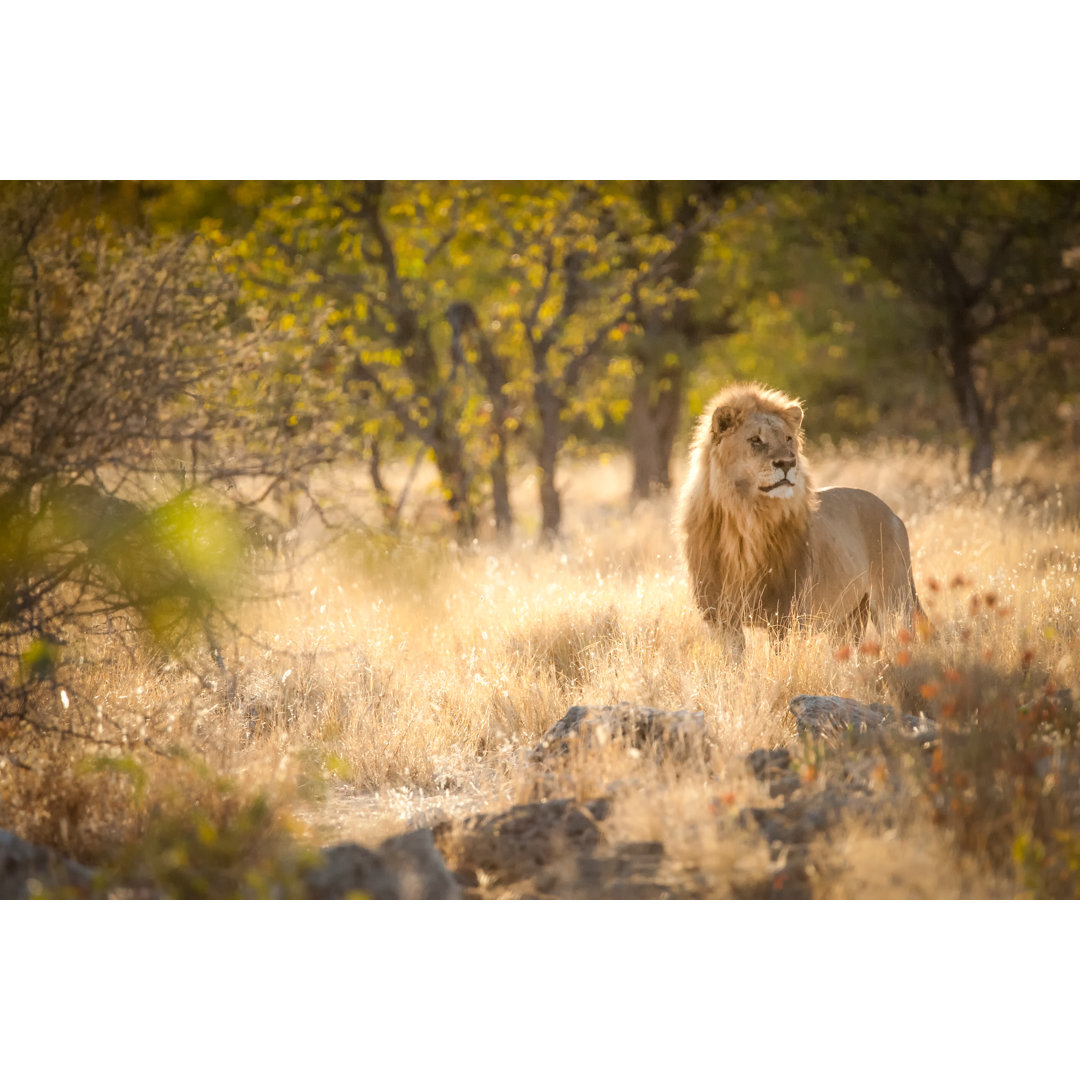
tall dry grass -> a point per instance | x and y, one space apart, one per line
395 681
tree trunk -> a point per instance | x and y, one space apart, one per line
452 472
382 493
549 406
977 417
500 490
652 425
644 445
495 377
463 322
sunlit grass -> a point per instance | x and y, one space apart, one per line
402 680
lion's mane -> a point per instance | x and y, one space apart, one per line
743 558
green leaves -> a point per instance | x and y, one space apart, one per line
39 659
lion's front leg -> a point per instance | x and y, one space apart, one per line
778 632
733 638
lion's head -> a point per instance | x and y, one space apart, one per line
747 450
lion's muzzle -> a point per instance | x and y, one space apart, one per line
784 472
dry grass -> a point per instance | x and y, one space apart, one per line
397 682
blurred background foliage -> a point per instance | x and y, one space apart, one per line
180 359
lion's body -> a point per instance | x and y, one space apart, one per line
764 548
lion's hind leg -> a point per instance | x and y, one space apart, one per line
849 631
897 611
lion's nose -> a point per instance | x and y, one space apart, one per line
784 464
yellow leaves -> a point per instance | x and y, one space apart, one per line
390 358
550 308
287 321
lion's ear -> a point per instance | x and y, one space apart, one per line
724 418
794 413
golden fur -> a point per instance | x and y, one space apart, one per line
763 547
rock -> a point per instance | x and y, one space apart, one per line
680 733
773 767
795 823
768 764
351 870
28 870
631 872
787 878
419 868
525 840
407 867
830 718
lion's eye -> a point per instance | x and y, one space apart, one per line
755 442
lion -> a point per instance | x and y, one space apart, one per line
763 547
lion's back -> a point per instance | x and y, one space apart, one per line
857 542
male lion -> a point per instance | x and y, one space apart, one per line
763 548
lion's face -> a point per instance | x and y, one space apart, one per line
755 454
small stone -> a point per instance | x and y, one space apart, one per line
28 870
829 718
680 733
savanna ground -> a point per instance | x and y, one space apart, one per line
382 684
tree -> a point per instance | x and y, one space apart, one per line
581 259
457 314
119 361
464 326
586 266
985 260
359 274
702 212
